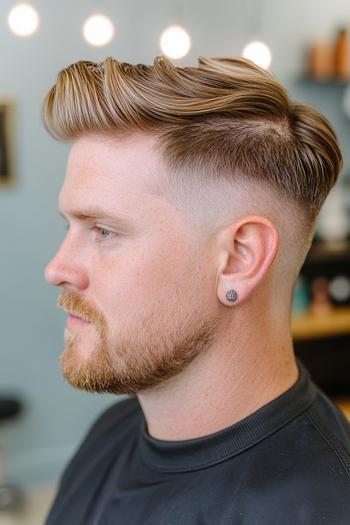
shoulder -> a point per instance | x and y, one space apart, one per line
301 471
320 440
313 465
332 428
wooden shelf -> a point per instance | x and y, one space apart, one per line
310 325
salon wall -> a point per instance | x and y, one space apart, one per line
56 416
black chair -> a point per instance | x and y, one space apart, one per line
10 497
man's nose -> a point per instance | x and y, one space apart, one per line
66 268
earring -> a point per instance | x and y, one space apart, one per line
231 296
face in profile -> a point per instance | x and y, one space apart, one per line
136 287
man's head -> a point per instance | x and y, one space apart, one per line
182 184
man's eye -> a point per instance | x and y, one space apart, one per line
103 233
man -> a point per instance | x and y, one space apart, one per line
191 197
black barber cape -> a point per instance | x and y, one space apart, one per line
288 463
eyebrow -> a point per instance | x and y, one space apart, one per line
93 213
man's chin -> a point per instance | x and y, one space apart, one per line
79 373
94 375
90 371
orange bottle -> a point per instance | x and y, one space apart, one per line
342 55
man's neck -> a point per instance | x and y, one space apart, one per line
219 388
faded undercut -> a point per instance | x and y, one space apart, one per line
226 120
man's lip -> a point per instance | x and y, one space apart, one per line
73 316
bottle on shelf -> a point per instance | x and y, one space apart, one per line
342 55
320 302
321 60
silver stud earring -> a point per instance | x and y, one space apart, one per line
231 296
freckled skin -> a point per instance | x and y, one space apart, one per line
155 295
140 282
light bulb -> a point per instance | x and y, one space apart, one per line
339 288
259 53
175 42
23 20
98 30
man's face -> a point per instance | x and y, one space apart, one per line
130 268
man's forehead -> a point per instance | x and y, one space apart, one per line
98 202
127 165
136 148
107 179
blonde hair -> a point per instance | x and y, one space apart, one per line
226 119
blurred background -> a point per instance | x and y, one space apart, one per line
305 45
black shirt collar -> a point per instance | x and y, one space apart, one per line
197 453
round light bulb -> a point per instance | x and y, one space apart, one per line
98 30
23 20
259 53
175 42
339 288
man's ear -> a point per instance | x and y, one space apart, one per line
246 250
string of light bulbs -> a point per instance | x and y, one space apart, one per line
98 30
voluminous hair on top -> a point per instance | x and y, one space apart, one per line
227 118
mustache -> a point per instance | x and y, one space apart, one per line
76 305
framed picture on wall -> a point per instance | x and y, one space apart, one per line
6 115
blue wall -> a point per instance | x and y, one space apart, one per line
56 416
